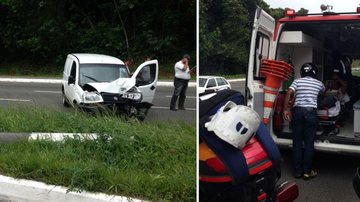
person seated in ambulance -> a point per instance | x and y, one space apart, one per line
341 73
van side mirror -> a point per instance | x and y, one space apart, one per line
71 80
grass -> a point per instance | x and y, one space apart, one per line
234 76
152 161
356 74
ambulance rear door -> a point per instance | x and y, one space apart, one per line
262 47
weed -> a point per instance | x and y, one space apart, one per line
155 161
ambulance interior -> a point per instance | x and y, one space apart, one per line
316 42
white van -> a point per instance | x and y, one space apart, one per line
297 40
93 81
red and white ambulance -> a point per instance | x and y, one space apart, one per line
297 40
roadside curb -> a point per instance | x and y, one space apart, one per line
58 81
12 189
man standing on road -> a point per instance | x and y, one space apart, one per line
181 80
306 90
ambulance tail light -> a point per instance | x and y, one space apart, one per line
358 9
290 12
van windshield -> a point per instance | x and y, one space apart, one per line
94 73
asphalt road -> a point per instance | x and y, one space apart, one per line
49 95
335 173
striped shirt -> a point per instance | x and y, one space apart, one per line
306 91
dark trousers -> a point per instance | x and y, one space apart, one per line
304 122
179 92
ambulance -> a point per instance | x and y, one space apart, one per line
296 40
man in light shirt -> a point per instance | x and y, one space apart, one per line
304 119
181 80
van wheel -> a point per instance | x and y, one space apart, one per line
64 101
142 112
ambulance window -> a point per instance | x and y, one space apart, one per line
262 51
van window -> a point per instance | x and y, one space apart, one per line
95 73
262 51
146 75
73 70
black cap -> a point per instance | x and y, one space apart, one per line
186 56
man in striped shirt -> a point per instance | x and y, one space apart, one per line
304 118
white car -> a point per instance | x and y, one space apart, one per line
92 80
212 83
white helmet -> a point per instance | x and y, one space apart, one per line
235 124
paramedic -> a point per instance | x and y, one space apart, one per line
342 75
304 119
342 72
181 80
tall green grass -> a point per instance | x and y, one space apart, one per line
154 161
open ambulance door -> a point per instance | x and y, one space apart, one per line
262 47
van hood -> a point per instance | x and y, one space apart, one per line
120 85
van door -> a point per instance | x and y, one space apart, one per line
146 76
71 87
261 47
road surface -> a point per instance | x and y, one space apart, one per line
49 95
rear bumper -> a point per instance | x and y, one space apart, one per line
324 146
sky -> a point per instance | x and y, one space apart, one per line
314 5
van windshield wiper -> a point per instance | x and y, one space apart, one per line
89 77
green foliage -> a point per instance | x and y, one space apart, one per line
154 161
277 13
225 33
302 11
44 32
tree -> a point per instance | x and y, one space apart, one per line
48 29
302 11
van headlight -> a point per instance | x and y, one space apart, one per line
133 94
92 97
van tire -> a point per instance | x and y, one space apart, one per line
64 101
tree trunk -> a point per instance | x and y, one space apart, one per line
123 26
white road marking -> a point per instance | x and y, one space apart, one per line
14 100
191 97
189 109
44 91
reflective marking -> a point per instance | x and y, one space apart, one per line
44 91
187 109
14 100
191 97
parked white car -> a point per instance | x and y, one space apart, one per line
93 80
212 83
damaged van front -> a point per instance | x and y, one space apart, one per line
93 81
